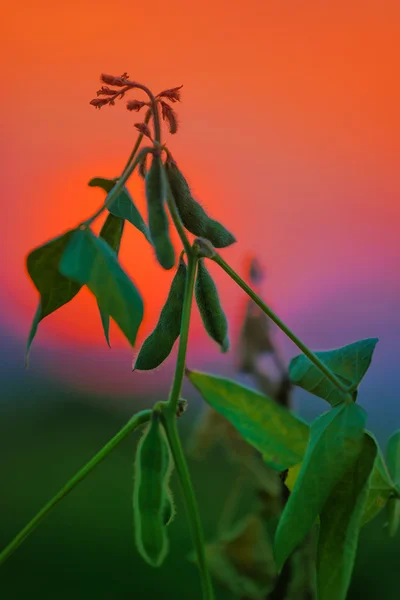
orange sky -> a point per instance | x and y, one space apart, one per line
289 133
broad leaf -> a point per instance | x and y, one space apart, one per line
340 523
380 486
89 260
111 232
393 457
55 290
123 205
335 443
279 435
349 363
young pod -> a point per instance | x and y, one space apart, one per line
159 344
193 216
212 314
152 504
156 187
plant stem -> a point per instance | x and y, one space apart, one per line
184 334
189 497
118 186
313 358
139 419
169 415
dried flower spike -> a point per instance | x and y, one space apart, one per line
172 94
144 129
106 91
111 80
99 102
169 115
136 105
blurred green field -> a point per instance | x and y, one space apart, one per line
84 549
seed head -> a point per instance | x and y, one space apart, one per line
111 80
99 102
144 129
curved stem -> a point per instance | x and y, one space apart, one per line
139 419
190 502
118 186
313 358
184 334
154 108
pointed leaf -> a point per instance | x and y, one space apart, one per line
340 524
275 432
111 232
380 486
55 290
335 443
393 457
89 260
123 205
349 363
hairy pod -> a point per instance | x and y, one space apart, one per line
193 216
152 501
160 342
212 314
156 189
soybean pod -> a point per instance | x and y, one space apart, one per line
192 214
160 342
152 503
212 314
156 189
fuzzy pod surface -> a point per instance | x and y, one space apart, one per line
157 347
193 215
151 495
211 311
156 190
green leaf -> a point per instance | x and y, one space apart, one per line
349 364
335 443
55 290
111 232
393 457
340 524
380 487
123 205
275 432
89 260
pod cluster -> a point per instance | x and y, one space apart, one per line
153 506
192 214
159 344
156 191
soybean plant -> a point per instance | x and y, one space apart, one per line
337 475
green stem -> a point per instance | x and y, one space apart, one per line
313 358
139 419
184 334
169 414
190 502
118 186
